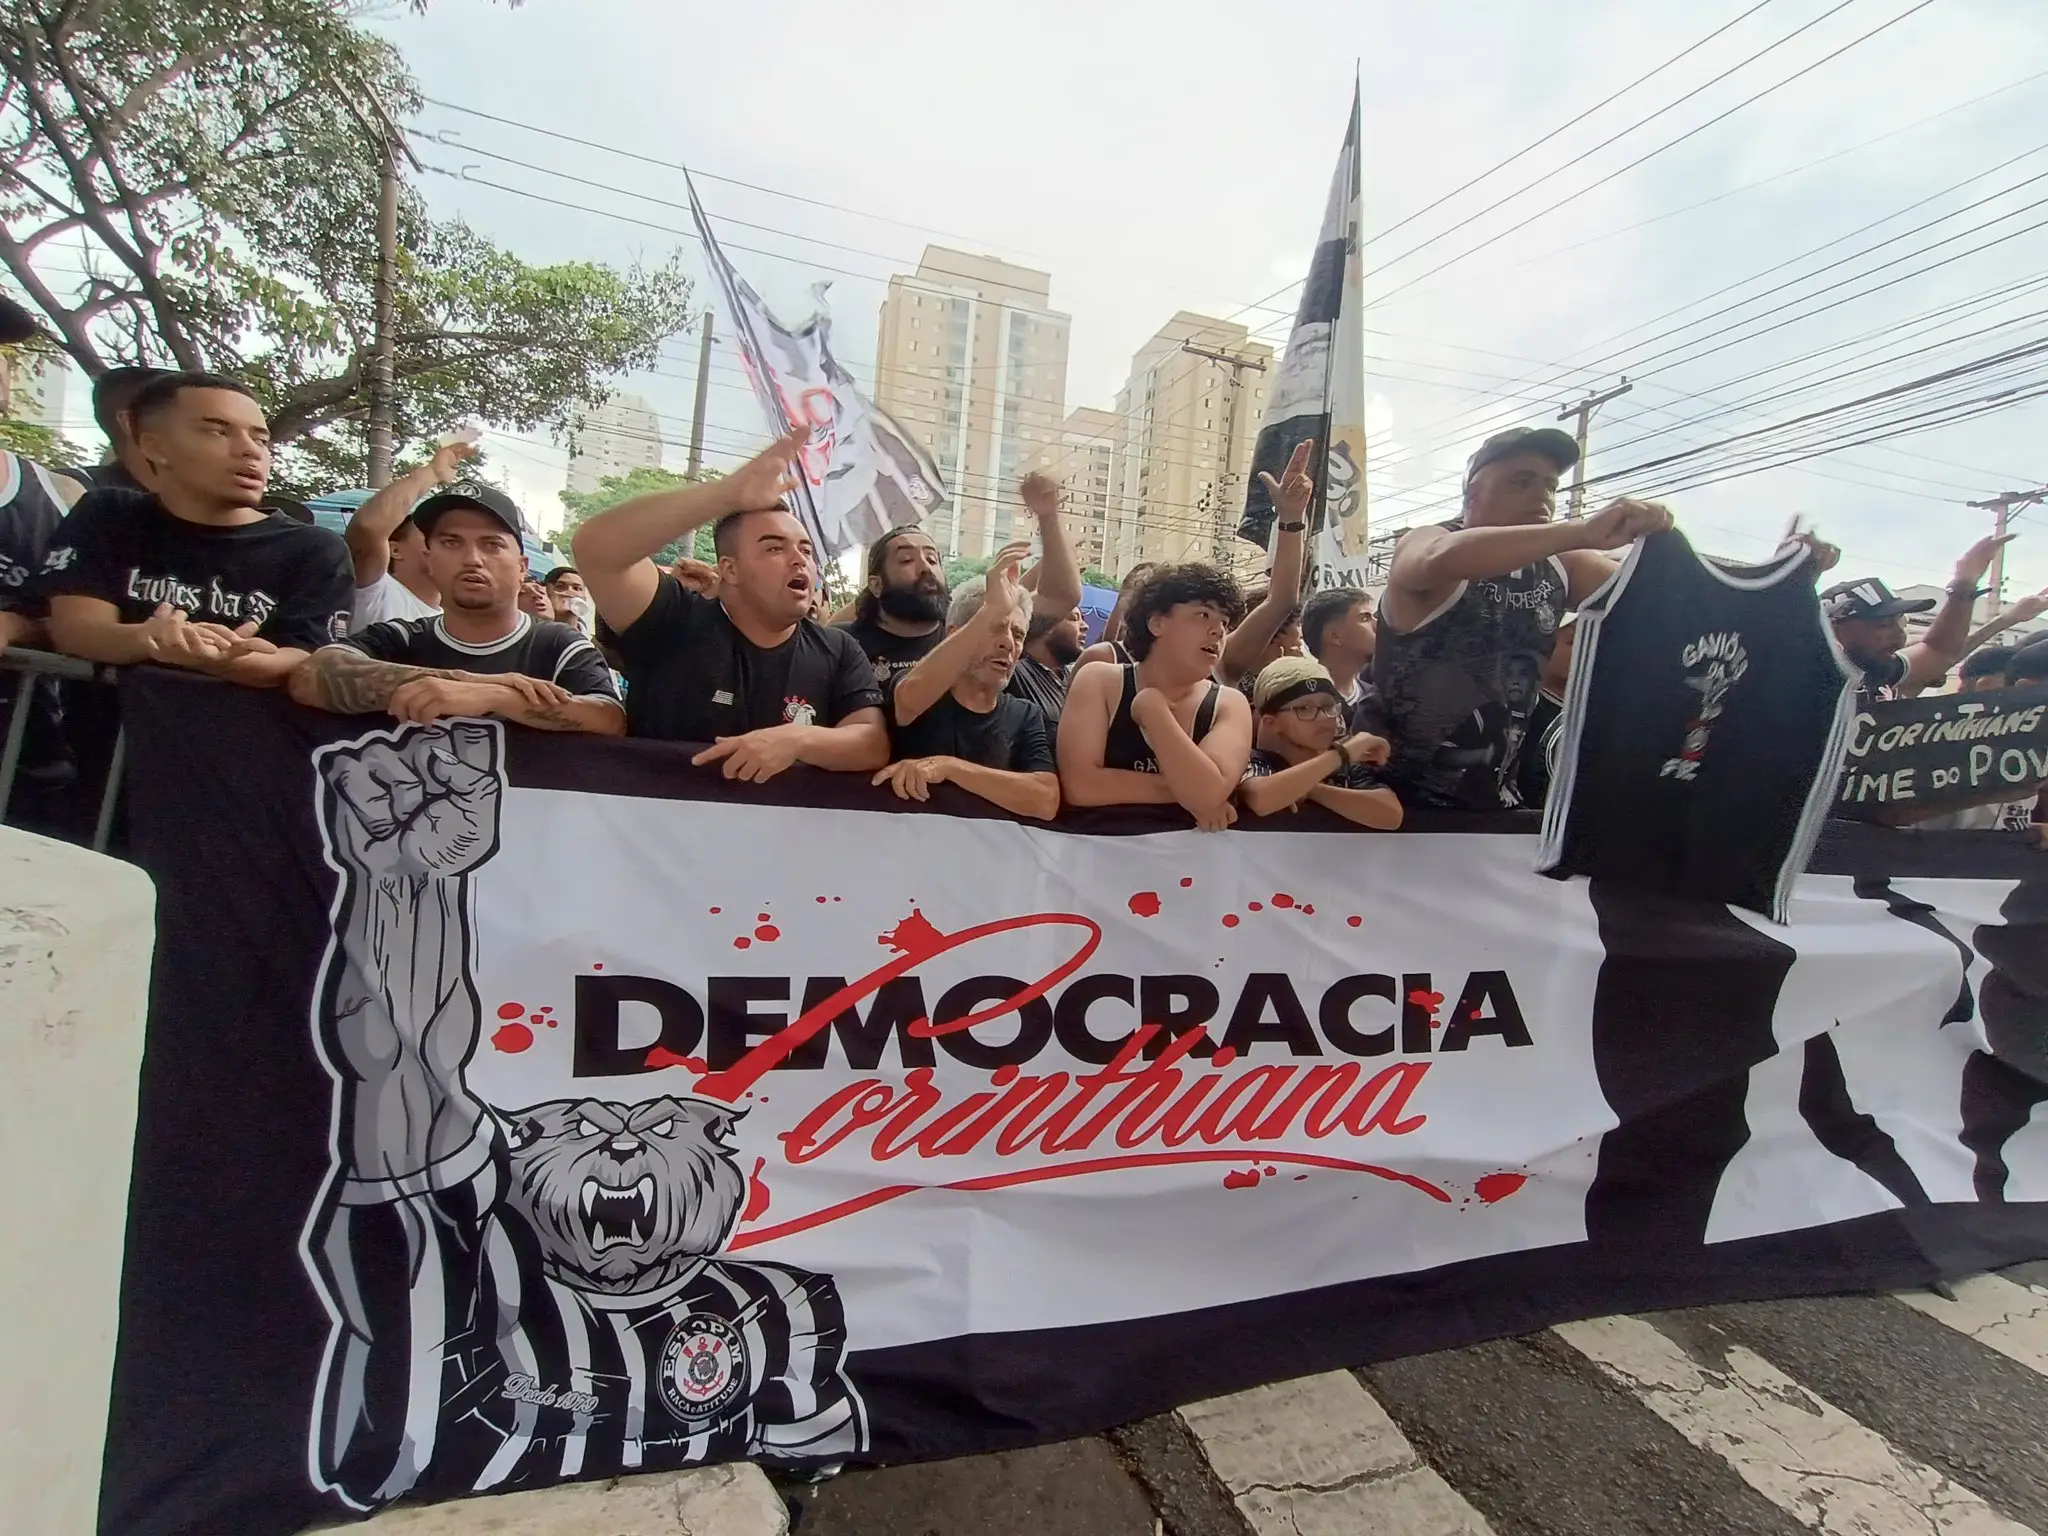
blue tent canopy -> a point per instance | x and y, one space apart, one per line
1096 603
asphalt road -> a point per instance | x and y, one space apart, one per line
1850 1416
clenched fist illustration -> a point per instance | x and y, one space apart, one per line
425 804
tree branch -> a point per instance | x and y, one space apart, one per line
77 337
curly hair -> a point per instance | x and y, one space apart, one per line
1166 588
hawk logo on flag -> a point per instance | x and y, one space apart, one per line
863 474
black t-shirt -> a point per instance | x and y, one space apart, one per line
1264 765
1011 736
123 547
1036 683
892 655
554 653
691 676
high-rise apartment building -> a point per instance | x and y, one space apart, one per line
620 436
1087 464
1189 423
972 360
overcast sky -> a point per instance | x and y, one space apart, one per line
1156 156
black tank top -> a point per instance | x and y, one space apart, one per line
1457 690
1125 747
1704 728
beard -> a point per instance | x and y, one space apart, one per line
914 605
1063 646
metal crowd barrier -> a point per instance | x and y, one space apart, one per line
30 665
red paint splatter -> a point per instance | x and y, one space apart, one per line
716 910
1145 904
1270 1171
757 1193
547 1008
1282 899
819 900
1186 881
1353 922
512 1038
662 1056
914 936
1230 919
1498 1186
1255 906
839 898
597 965
743 942
535 1019
1308 909
767 933
1249 1179
552 1023
511 1010
1430 1000
760 917
1299 1177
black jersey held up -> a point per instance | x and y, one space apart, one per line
1704 729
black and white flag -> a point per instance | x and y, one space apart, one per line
863 474
1319 393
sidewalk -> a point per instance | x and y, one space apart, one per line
733 1500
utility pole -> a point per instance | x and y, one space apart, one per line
2001 508
1584 411
703 392
389 138
1238 367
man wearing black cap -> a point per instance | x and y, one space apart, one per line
194 573
1471 612
1869 627
388 549
900 617
481 655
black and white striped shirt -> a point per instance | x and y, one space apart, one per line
468 1363
552 652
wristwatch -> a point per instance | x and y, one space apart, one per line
1292 527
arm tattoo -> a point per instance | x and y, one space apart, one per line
350 683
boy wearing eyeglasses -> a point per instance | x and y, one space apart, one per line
1299 756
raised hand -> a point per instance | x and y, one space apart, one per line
769 475
1296 486
1977 558
1003 585
1621 523
697 576
446 464
1041 493
426 804
2027 607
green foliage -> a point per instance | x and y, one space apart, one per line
221 159
959 570
642 481
38 443
1096 576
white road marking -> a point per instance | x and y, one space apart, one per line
2012 1319
1799 1451
1319 1457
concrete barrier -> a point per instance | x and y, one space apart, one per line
76 932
